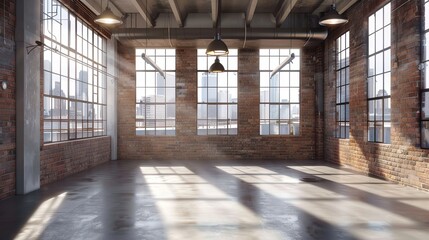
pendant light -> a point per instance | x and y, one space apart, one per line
217 47
108 17
332 17
216 67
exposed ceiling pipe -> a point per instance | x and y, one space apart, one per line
227 33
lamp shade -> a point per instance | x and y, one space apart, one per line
216 67
108 17
332 17
217 47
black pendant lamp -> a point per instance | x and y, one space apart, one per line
217 47
216 67
332 17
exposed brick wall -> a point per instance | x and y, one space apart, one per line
7 101
58 160
403 160
248 144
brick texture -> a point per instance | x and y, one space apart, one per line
248 144
7 100
403 160
59 160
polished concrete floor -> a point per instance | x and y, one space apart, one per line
217 200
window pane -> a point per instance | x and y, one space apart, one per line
425 134
156 94
425 105
73 77
219 117
342 83
278 92
379 66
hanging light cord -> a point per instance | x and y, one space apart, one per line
146 27
169 31
4 22
245 31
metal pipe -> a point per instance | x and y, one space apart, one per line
227 33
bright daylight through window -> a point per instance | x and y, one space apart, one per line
279 91
156 92
425 82
217 95
74 103
379 68
342 85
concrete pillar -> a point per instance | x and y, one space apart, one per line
28 27
112 113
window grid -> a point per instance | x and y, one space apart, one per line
74 94
425 80
379 68
280 94
217 95
343 85
156 95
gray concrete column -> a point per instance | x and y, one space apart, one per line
112 113
28 27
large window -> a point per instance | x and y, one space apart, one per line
342 86
217 95
425 81
279 92
379 68
156 92
74 103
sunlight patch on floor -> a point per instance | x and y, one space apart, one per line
37 223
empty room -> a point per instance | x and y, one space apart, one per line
214 119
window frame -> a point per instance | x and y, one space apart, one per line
382 102
342 81
163 124
211 125
63 57
424 121
267 56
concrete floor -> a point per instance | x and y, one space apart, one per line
217 200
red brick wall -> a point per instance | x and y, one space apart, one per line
403 160
7 101
58 160
248 144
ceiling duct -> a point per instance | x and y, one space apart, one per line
227 33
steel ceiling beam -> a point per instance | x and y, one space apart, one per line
344 5
142 9
215 11
251 11
323 6
176 12
284 11
96 8
341 6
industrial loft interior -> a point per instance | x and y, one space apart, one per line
211 119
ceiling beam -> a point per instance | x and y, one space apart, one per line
176 12
344 5
341 6
96 8
142 9
215 11
251 11
323 6
284 11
